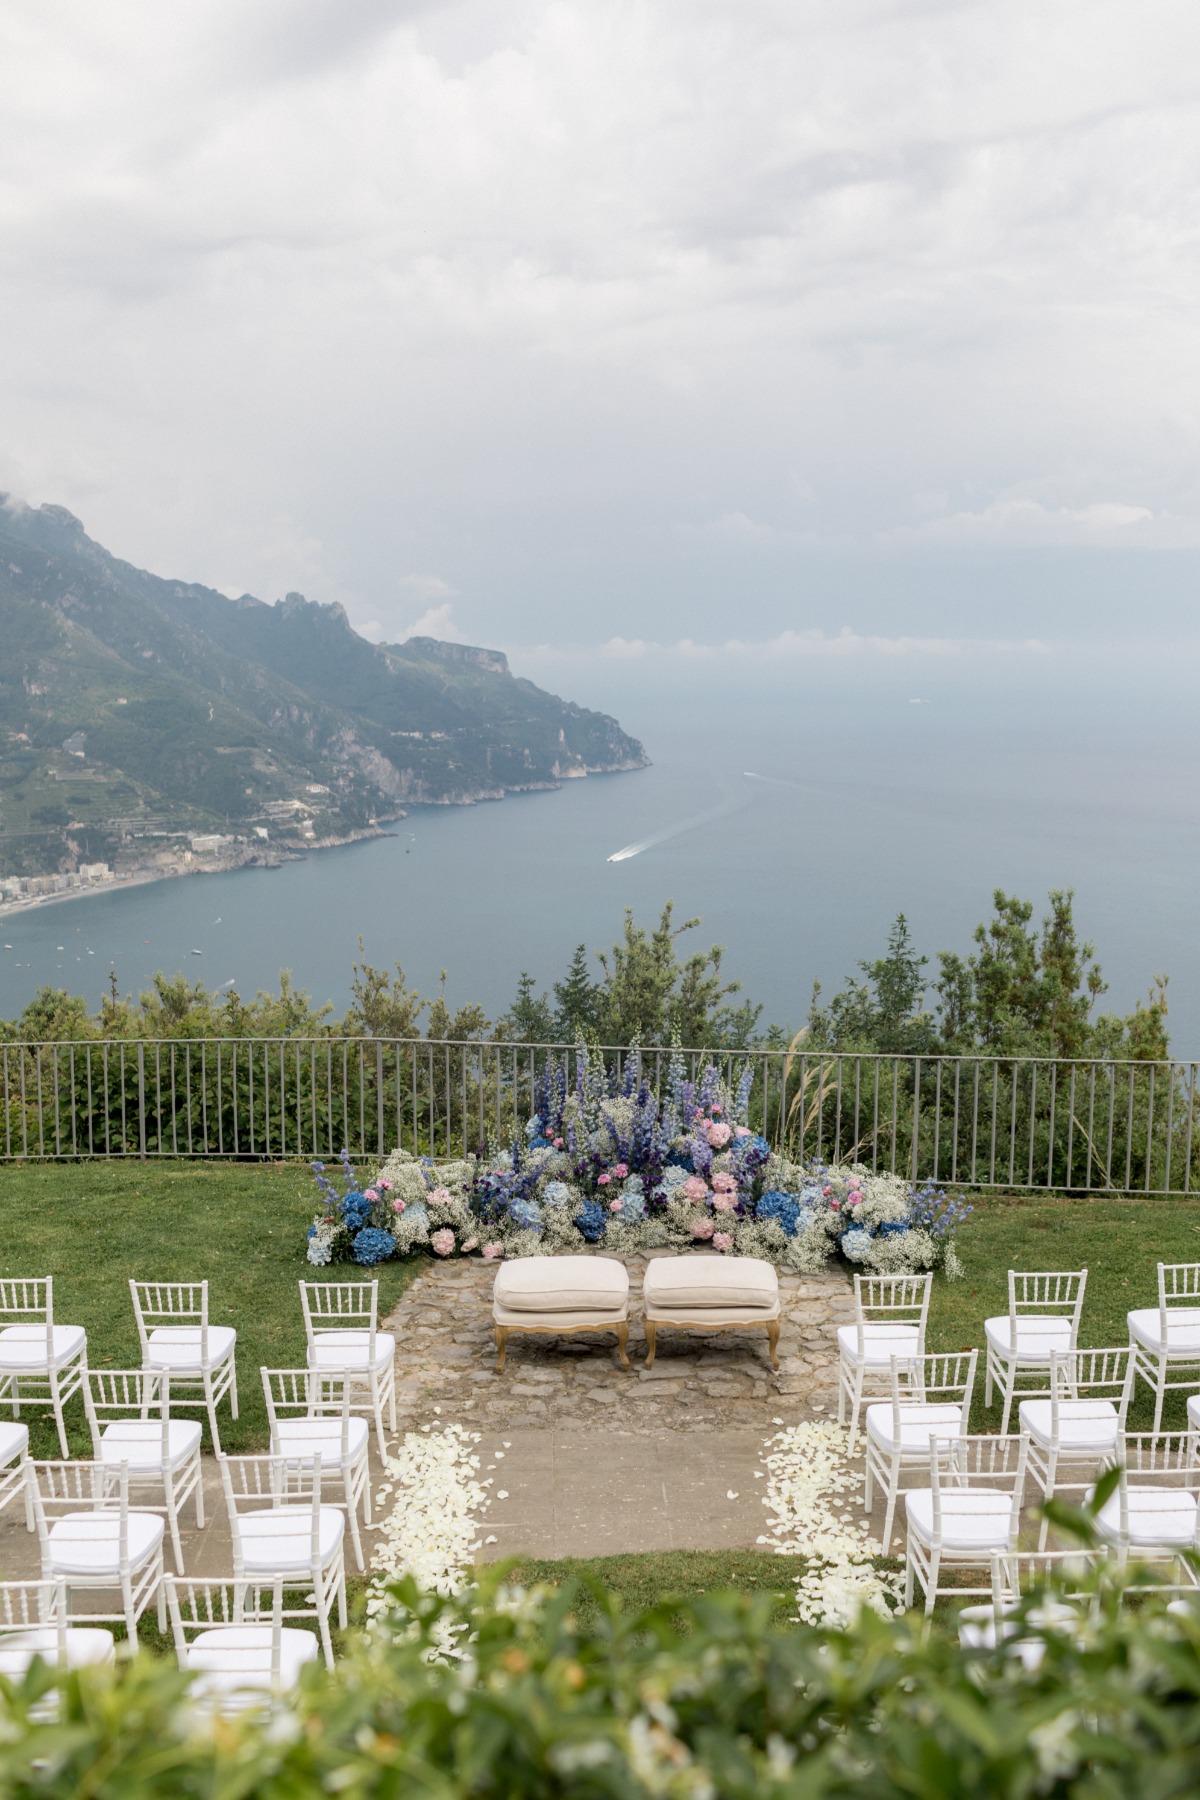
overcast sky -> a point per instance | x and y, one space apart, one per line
835 325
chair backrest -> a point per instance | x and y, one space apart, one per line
340 1306
29 1300
1178 1285
31 1606
111 1394
62 1487
892 1300
1017 1573
257 1484
983 1461
170 1303
308 1397
1057 1293
942 1379
1091 1375
198 1607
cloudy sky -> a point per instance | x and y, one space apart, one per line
859 328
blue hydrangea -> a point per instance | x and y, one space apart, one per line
527 1214
674 1175
417 1210
534 1127
372 1246
633 1208
783 1207
856 1244
633 1184
356 1209
556 1193
591 1220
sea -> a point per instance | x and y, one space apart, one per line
794 809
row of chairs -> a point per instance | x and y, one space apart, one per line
970 1511
42 1360
891 1313
230 1636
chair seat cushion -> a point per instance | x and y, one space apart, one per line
86 1543
138 1442
14 1440
351 1350
23 1347
1036 1338
1157 1515
560 1321
1084 1426
301 1439
880 1343
280 1539
1193 1411
1183 1330
697 1283
232 1657
918 1424
973 1519
177 1347
570 1284
86 1646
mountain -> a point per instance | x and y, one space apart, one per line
136 711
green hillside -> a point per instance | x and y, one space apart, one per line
134 709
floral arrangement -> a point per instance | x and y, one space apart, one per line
604 1160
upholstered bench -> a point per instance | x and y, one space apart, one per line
561 1294
710 1293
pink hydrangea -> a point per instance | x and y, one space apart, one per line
723 1203
385 1184
827 1192
716 1107
471 1244
558 1143
702 1228
370 1194
855 1181
621 1170
440 1196
695 1189
616 1205
718 1134
603 1180
741 1131
492 1251
398 1206
442 1242
724 1184
698 1113
722 1240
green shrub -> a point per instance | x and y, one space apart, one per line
691 1699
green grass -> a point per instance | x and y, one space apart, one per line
240 1227
642 1580
1120 1244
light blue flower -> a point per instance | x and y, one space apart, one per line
556 1193
633 1208
856 1244
527 1214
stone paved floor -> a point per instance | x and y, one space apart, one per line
585 1458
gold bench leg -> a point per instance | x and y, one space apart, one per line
651 1330
622 1342
502 1347
773 1342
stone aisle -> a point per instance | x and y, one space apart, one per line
591 1459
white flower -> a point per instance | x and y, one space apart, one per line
433 1527
809 1482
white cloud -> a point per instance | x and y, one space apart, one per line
794 646
1030 522
435 622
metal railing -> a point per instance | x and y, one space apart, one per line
1020 1123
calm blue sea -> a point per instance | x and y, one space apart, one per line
866 804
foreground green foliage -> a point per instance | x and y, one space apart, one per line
236 1227
689 1700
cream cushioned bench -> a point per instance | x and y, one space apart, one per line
561 1294
710 1293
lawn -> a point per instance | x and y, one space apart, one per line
640 1581
239 1226
1119 1242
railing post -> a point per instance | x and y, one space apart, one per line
141 1066
379 1094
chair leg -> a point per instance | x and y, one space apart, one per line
391 1387
1160 1389
130 1615
987 1378
199 1492
773 1342
651 1330
622 1343
233 1399
1010 1382
173 1523
501 1348
855 1411
368 1515
893 1494
160 1596
343 1615
30 1522
842 1391
211 1407
377 1409
56 1403
352 1516
909 1578
322 1601
1048 1494
931 1583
